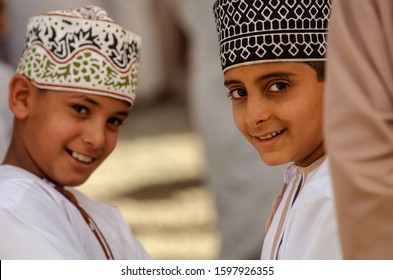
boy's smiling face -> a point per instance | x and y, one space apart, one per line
278 108
65 136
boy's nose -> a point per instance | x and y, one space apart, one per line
257 111
94 135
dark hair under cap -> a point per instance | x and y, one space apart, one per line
260 31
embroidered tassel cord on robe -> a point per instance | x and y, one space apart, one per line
92 225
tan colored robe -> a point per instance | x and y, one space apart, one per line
359 125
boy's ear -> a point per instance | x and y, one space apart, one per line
21 91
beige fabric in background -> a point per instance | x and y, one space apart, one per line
359 125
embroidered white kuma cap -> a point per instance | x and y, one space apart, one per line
81 50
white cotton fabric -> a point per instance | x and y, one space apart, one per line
37 222
310 228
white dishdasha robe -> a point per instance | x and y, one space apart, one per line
38 222
309 227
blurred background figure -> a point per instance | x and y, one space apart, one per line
6 73
182 175
242 186
18 13
161 76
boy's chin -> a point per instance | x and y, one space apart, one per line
70 182
272 160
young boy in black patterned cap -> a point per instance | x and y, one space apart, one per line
74 87
272 55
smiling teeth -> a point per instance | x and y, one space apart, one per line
270 136
82 157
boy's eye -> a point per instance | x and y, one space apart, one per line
115 122
237 93
80 109
278 86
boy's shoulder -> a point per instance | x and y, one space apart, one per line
319 179
17 183
321 170
10 174
317 170
20 189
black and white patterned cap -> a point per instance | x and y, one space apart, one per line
260 31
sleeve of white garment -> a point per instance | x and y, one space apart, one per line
359 125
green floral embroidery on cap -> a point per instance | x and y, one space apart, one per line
81 49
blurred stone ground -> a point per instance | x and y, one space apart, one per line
156 178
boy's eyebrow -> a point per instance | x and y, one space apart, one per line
91 101
95 103
123 113
278 74
230 82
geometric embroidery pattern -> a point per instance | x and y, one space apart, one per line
255 31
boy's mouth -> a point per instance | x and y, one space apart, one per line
80 157
271 135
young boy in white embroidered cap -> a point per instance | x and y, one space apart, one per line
74 87
272 55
